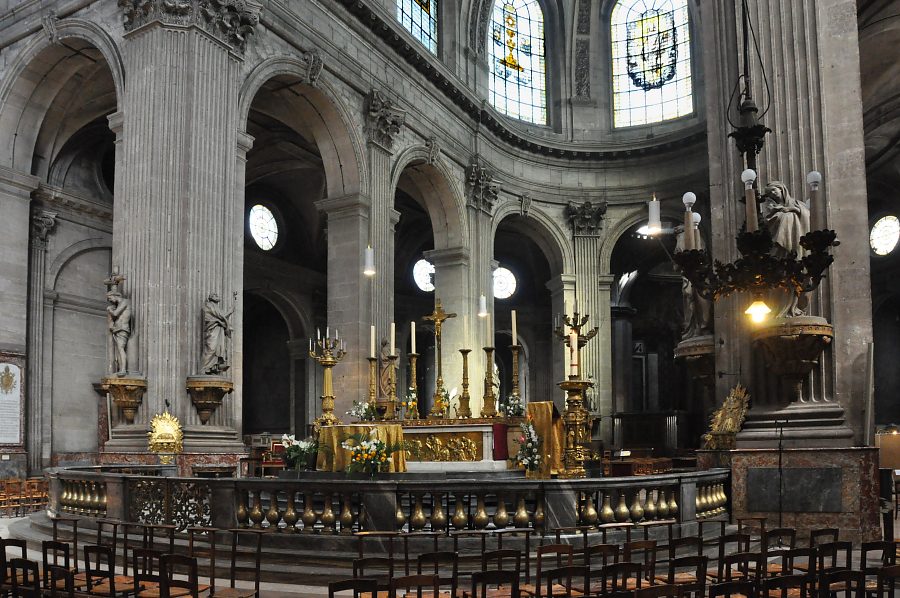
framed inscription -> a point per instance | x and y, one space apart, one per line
10 403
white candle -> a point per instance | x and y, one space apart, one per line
490 331
412 335
573 348
393 337
465 331
318 334
576 305
514 332
310 345
372 341
327 333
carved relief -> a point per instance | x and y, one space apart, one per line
482 189
232 21
383 119
434 149
48 23
42 224
525 204
587 218
582 69
584 17
479 25
314 65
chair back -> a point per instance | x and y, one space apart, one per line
749 564
53 554
483 581
553 579
648 560
360 587
564 554
782 538
427 584
615 576
888 581
363 569
660 591
696 565
61 581
13 546
202 545
25 577
146 568
444 564
692 544
501 556
834 556
875 555
798 559
822 535
726 589
172 564
843 583
98 566
600 554
779 586
256 551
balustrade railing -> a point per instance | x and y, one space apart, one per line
83 497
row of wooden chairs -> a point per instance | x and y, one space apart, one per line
19 497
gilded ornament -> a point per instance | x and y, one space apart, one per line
346 517
399 517
727 420
607 515
460 517
636 510
309 515
589 515
501 515
622 512
290 515
418 519
165 436
673 506
7 380
438 516
272 515
327 516
256 512
520 519
481 518
650 506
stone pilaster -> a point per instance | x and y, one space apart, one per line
603 391
176 216
43 223
15 196
562 296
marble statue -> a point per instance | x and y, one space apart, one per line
216 331
119 315
786 218
697 319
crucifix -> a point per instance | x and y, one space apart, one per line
438 317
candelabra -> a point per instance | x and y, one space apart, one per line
465 411
390 412
488 406
413 412
515 369
373 381
327 352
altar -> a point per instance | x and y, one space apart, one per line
456 445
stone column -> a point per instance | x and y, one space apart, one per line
43 223
603 389
562 295
175 217
15 197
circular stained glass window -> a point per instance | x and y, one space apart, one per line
263 227
504 283
885 234
423 274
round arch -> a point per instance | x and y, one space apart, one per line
70 253
544 231
432 182
295 317
635 216
327 119
34 81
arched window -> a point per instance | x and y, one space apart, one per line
651 61
518 80
420 18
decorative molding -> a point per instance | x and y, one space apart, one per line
525 204
434 149
482 190
314 64
584 17
232 21
42 224
586 219
48 24
478 26
54 196
383 119
582 69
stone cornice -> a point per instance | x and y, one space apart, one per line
481 114
57 198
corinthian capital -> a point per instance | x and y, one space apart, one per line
42 224
383 118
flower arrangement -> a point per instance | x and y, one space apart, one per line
529 443
513 406
298 451
363 411
368 454
411 404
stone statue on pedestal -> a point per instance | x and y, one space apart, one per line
119 320
697 319
787 220
384 373
216 331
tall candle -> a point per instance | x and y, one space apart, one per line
393 337
465 331
514 331
310 345
372 341
412 335
688 230
573 348
490 331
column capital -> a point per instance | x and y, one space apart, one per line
116 122
561 283
17 184
481 189
244 142
453 256
43 223
383 119
354 204
586 219
605 281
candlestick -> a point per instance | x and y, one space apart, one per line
488 406
515 336
816 209
688 230
327 353
412 336
573 353
413 412
749 178
438 316
393 338
514 348
373 381
371 341
465 411
391 411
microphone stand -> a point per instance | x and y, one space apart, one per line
780 425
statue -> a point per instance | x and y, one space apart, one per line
787 220
216 331
118 314
697 319
384 377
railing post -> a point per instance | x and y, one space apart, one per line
116 496
380 501
222 501
687 489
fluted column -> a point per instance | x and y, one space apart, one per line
15 197
43 223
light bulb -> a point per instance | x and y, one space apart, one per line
369 268
758 310
689 199
814 179
482 306
654 226
696 218
748 177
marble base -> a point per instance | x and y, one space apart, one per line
454 466
185 463
805 425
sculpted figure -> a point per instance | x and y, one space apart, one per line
118 314
787 218
216 331
697 319
384 374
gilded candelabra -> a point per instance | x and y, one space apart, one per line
489 401
515 369
373 381
465 411
327 352
438 317
391 411
413 387
575 418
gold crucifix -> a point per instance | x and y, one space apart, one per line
438 317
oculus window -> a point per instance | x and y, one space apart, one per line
504 283
517 84
263 227
423 275
651 62
419 17
884 235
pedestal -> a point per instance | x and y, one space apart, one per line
127 393
207 393
577 429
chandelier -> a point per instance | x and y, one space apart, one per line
796 265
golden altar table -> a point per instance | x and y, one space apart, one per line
336 458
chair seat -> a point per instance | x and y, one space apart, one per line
713 574
680 578
791 593
529 589
801 567
157 592
501 592
429 594
249 593
774 568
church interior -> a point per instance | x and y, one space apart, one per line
494 297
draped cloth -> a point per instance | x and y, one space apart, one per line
337 458
549 427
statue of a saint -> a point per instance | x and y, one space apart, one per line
118 314
697 310
384 374
786 218
216 331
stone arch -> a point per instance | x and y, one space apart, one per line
434 184
613 235
70 253
328 120
545 231
296 318
34 80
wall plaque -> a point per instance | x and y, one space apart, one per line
10 403
806 490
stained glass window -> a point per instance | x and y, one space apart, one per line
518 80
504 283
420 18
263 227
651 62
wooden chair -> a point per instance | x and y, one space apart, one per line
563 554
801 561
11 497
494 584
445 565
108 535
888 581
619 576
202 545
733 589
100 575
728 544
25 578
596 558
56 554
557 582
364 569
146 571
6 576
786 586
687 572
57 520
647 549
822 535
693 545
834 556
661 591
61 582
170 585
424 585
773 542
843 582
873 557
361 588
507 560
235 567
743 565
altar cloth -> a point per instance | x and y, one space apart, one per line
336 458
549 428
